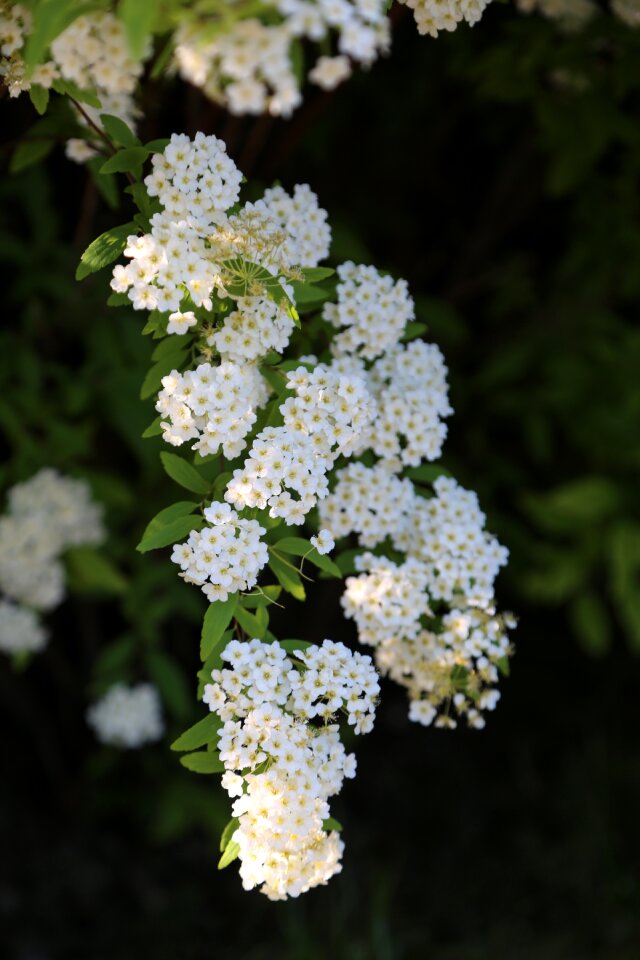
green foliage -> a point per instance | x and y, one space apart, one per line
201 733
183 473
89 570
202 762
104 250
216 620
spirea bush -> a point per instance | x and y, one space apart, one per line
310 418
300 408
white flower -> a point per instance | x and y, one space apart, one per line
323 542
329 72
180 322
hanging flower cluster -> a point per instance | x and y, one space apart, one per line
339 442
281 750
46 516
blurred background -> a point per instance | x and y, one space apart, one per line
498 170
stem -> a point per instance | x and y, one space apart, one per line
103 136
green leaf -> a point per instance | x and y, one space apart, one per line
267 598
50 18
591 623
227 833
114 658
412 330
169 678
170 355
201 733
39 97
287 577
503 666
183 473
309 297
331 824
324 563
214 660
297 546
29 152
216 620
138 17
106 184
427 472
104 250
171 350
180 509
205 761
170 534
70 89
158 146
254 625
345 562
292 645
128 160
118 131
118 300
89 571
154 429
588 499
315 274
232 851
276 381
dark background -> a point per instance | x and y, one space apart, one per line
497 169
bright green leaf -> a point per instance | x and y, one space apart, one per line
216 620
39 97
183 473
170 534
128 160
118 131
232 851
227 833
205 761
287 577
201 733
104 250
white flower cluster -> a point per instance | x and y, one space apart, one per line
282 766
371 309
127 716
368 501
432 16
249 66
447 533
387 599
409 385
192 239
256 327
91 52
16 23
215 406
46 515
224 557
326 417
431 618
20 630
